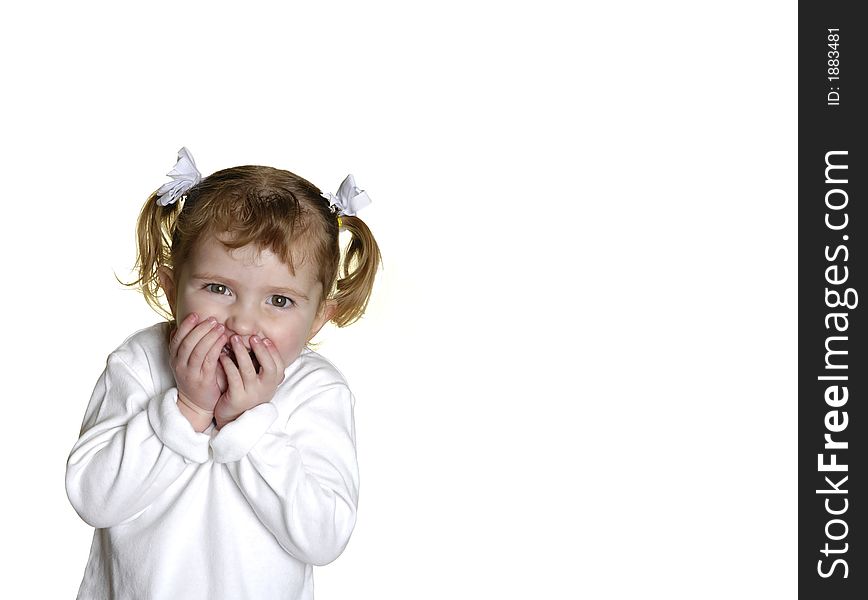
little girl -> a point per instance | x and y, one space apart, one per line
217 454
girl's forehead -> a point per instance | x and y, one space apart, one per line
212 254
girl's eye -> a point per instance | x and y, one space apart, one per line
217 288
281 301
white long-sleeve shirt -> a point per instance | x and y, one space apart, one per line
243 512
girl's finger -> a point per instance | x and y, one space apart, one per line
210 361
192 339
222 383
245 365
275 354
278 359
233 377
181 331
265 358
205 345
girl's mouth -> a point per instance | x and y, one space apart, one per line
227 350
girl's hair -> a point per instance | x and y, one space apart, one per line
272 209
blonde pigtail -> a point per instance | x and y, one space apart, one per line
358 268
154 230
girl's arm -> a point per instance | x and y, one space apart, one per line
300 479
134 443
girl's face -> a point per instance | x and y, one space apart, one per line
251 293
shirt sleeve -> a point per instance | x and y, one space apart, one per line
300 477
133 444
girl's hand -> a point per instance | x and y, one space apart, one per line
193 353
222 382
247 388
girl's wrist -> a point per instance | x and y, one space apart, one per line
221 420
199 418
224 413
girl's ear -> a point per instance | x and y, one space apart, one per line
167 282
325 314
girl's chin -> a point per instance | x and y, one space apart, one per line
227 350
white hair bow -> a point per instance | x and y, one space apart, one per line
184 174
349 199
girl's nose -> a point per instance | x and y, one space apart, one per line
241 321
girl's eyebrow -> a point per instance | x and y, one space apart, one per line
290 292
276 288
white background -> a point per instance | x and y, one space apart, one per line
576 378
